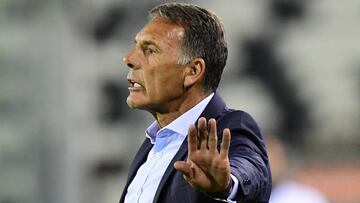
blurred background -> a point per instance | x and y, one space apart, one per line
67 135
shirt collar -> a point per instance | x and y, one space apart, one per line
181 124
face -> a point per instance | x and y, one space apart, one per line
155 78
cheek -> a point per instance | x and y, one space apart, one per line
150 81
171 84
164 79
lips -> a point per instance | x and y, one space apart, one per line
134 84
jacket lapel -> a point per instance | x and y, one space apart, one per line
139 159
212 110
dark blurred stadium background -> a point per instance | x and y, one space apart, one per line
67 135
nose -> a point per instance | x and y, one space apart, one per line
127 62
130 60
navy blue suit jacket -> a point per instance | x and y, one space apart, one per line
247 154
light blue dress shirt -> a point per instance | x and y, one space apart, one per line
167 142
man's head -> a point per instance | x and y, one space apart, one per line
179 54
204 38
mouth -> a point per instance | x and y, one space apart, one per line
133 84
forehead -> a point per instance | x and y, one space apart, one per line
162 32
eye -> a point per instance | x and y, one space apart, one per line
148 51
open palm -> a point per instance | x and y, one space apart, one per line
206 168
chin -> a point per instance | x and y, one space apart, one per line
133 103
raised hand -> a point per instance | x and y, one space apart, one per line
206 168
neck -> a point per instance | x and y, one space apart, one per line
189 101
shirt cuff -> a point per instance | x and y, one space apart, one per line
234 188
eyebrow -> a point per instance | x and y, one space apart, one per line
147 43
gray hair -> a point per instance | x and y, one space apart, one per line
204 38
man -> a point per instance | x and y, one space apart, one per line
175 69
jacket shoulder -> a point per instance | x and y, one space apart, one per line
232 118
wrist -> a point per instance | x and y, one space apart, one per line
223 194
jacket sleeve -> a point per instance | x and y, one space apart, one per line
248 157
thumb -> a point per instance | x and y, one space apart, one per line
184 167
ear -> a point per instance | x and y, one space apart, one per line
194 73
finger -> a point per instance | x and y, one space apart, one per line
192 139
213 135
225 145
185 168
203 133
